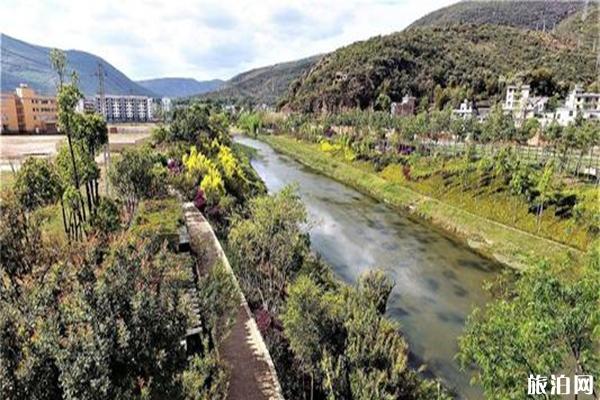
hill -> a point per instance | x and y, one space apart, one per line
180 87
478 59
582 27
22 62
263 85
536 14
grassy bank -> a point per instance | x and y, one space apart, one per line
506 244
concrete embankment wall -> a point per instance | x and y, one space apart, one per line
253 374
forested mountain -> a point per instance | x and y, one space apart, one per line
180 87
436 62
536 14
583 28
22 62
265 84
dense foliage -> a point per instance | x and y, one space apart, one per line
475 60
547 322
97 322
264 85
335 335
538 15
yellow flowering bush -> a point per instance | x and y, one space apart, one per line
212 185
197 163
228 162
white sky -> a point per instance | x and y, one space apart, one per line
204 39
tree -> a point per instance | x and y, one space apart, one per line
547 322
498 126
58 60
269 247
527 130
383 102
346 344
37 183
307 322
20 239
544 188
134 177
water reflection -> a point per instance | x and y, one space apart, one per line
438 282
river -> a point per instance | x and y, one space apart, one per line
437 281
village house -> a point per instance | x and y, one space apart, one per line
405 108
522 105
470 109
578 102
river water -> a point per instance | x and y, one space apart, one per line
437 281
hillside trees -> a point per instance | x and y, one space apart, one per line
439 63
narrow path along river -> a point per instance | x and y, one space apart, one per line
437 281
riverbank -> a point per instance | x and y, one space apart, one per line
507 245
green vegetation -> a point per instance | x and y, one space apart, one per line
538 15
328 340
204 166
548 320
102 314
264 85
508 245
158 220
461 61
479 167
90 321
6 179
136 175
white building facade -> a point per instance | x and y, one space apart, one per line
578 102
522 105
120 108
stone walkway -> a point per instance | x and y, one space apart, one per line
253 375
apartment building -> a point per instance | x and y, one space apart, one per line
25 111
120 108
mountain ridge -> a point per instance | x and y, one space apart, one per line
175 87
436 62
23 62
531 14
264 84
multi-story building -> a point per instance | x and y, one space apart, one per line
120 108
521 104
125 108
579 102
25 111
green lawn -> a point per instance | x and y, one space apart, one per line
508 245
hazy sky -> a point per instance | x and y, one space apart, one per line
204 39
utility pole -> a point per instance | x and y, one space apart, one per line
101 96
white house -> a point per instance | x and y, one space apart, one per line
579 102
521 104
